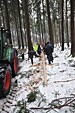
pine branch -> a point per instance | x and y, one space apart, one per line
68 102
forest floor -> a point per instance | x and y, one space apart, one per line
34 96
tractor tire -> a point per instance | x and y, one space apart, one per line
5 83
14 66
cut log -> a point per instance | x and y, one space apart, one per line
44 68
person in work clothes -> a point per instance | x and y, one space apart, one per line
48 50
35 48
39 49
31 53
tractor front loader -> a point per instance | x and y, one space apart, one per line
8 62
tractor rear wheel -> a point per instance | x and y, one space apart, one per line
5 83
14 66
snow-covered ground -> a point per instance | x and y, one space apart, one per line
60 81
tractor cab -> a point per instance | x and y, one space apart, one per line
5 46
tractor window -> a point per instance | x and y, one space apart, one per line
6 48
6 40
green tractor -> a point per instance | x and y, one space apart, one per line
8 62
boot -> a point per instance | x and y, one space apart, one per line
49 62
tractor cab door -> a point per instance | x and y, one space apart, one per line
6 45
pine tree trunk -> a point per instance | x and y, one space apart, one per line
24 25
0 21
60 38
20 25
18 37
72 29
55 31
3 22
62 25
44 30
38 25
67 36
49 23
0 14
7 17
24 29
36 33
60 33
28 25
15 21
41 30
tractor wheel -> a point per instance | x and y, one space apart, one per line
15 66
5 83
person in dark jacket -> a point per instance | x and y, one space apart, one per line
39 49
48 50
31 53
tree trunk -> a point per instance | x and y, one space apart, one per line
72 29
62 25
49 23
24 29
41 30
20 25
24 25
60 39
0 13
38 25
55 31
44 30
0 21
15 21
28 25
67 36
3 22
7 17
